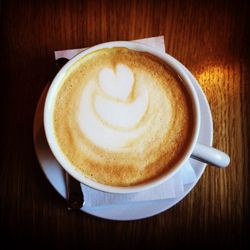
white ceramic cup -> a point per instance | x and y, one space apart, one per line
195 150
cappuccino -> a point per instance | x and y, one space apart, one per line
122 117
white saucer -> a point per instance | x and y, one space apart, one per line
132 211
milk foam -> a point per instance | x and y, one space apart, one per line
119 114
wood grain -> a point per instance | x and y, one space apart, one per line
211 38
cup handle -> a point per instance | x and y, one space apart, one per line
210 155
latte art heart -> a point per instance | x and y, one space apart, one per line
118 84
122 117
116 121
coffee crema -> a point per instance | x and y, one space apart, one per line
122 117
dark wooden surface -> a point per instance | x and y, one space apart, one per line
210 38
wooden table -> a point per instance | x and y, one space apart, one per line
211 39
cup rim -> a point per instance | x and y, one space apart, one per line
69 167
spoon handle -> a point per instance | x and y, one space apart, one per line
75 196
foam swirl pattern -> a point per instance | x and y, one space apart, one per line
121 116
